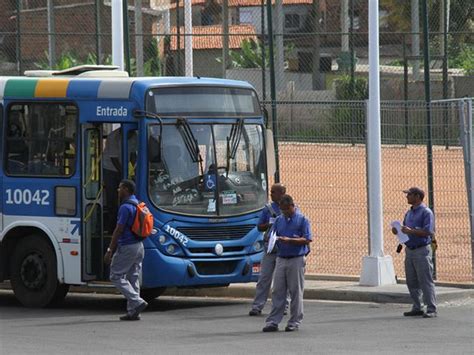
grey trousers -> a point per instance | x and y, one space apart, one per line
419 275
289 277
267 267
125 272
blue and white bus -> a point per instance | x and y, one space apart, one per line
197 149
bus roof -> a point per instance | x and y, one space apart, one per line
100 88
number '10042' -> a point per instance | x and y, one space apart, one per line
27 197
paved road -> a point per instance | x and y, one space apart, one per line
88 323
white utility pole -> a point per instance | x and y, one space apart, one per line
377 268
188 38
117 34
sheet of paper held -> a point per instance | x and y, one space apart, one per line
402 237
271 242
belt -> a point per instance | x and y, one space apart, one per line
419 246
290 257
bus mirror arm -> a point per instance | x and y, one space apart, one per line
146 114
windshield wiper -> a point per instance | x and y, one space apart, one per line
233 141
190 141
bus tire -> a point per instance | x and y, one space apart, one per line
33 273
149 294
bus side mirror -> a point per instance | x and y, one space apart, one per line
270 152
154 151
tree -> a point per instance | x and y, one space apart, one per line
250 54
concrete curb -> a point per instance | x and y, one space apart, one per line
314 290
345 293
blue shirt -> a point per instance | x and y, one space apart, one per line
266 216
419 217
296 226
125 217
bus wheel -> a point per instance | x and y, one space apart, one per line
149 294
33 273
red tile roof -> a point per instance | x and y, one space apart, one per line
210 37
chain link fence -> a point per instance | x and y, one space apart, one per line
315 42
323 163
321 69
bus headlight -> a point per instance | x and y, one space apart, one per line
162 239
171 248
258 245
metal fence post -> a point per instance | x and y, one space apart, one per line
18 37
98 40
465 130
126 37
405 87
429 121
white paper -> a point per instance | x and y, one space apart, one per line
211 205
402 237
271 242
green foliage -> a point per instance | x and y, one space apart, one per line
250 54
396 63
152 67
70 59
349 122
348 90
463 58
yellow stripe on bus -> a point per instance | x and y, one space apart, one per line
51 88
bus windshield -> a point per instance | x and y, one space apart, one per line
204 101
212 181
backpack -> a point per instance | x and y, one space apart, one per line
143 222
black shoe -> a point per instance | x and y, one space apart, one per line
291 328
430 315
413 313
130 317
270 328
255 312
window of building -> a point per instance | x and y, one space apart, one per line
292 21
41 139
245 16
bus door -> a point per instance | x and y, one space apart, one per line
130 151
92 203
1 167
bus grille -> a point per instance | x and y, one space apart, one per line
216 233
213 251
215 268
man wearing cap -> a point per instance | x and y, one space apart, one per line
419 225
293 237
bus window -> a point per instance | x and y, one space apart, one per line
40 139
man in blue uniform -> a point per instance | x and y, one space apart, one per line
419 225
128 253
269 213
294 235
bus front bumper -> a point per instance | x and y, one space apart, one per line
160 270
